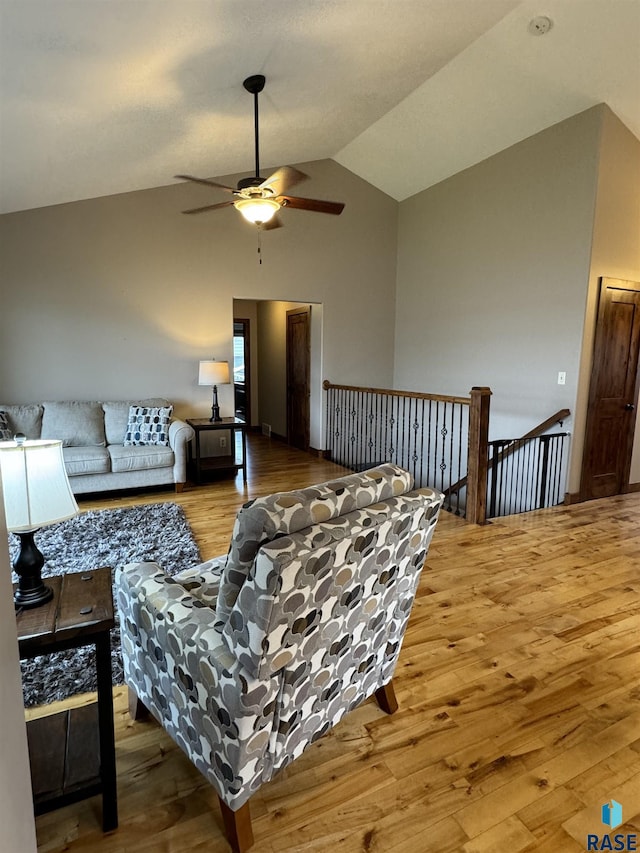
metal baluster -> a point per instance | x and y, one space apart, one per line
544 441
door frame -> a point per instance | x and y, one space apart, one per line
613 284
246 323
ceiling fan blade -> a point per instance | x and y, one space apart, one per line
274 222
205 182
282 179
209 207
335 207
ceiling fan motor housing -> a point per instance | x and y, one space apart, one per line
245 183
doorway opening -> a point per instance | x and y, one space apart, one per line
278 349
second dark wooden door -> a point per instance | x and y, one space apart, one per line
298 373
613 392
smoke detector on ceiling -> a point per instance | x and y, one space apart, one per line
540 26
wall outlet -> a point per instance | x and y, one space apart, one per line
223 441
562 378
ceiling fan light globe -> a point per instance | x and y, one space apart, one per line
257 211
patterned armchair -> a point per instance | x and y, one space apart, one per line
247 659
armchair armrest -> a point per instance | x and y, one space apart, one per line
182 671
180 434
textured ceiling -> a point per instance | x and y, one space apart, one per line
107 96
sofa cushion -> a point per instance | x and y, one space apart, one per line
148 425
287 512
76 424
25 419
86 460
139 458
6 433
116 416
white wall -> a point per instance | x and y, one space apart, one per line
120 297
493 266
17 827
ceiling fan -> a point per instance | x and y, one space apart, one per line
259 199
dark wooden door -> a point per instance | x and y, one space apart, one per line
298 371
613 392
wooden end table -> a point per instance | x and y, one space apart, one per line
72 754
219 463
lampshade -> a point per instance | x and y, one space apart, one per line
213 373
257 210
35 485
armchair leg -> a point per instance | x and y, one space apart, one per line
137 711
386 698
237 826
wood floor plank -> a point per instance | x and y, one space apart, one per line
519 704
509 835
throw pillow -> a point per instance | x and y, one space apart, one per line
26 419
148 425
116 416
5 430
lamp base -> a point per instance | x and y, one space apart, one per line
32 598
215 409
31 591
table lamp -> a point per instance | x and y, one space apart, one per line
36 494
214 373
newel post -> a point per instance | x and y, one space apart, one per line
478 455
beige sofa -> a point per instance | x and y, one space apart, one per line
97 456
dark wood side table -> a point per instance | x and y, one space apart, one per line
219 463
72 754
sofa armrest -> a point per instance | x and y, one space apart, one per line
182 671
180 435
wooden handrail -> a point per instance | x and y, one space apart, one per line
516 443
444 398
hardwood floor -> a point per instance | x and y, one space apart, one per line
518 691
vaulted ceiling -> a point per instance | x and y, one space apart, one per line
107 96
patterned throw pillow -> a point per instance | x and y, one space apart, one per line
5 430
148 425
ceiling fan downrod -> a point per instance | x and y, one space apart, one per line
255 85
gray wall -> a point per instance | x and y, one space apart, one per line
493 266
121 296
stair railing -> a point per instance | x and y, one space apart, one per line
437 437
528 473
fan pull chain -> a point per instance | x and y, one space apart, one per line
259 245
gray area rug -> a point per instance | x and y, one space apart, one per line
108 537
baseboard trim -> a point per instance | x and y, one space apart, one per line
321 454
574 497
